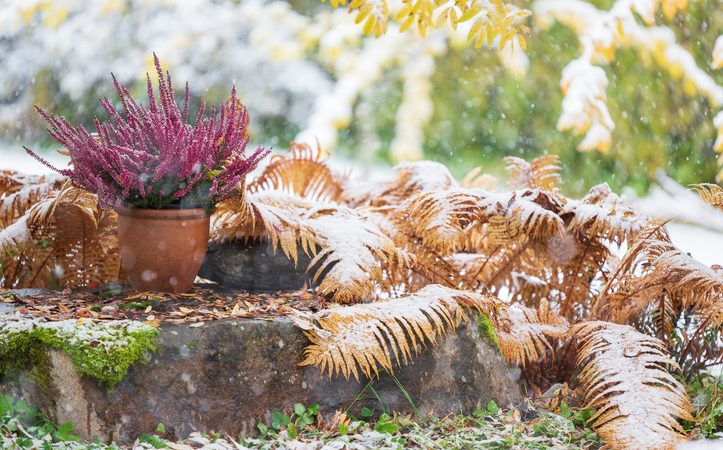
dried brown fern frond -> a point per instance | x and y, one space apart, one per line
667 270
664 292
624 375
271 215
62 240
602 214
628 268
18 193
712 194
410 178
23 262
477 179
361 339
83 237
527 289
10 181
494 269
302 171
443 219
577 279
13 181
696 285
528 335
354 253
542 172
351 249
13 239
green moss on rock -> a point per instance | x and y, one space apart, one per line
102 350
486 330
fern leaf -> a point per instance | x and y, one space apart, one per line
15 236
410 179
601 214
712 194
667 270
542 172
302 172
18 193
444 218
354 251
351 250
475 178
271 215
527 335
624 376
62 239
360 339
579 278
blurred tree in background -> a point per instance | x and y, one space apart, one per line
483 112
306 70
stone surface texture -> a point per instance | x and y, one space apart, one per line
228 375
253 266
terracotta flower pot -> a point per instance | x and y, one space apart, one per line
162 249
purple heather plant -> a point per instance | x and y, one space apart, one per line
152 157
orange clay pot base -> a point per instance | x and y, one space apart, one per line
162 249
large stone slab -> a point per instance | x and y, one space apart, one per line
230 374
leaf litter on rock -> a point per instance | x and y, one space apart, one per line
195 307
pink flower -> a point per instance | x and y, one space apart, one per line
152 157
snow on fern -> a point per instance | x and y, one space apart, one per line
348 340
354 250
637 401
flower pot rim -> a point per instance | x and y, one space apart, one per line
170 214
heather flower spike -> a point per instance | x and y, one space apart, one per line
151 156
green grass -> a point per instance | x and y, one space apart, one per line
24 427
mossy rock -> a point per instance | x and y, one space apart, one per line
230 374
101 350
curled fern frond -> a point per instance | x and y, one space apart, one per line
360 339
624 375
602 214
542 172
712 194
302 171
